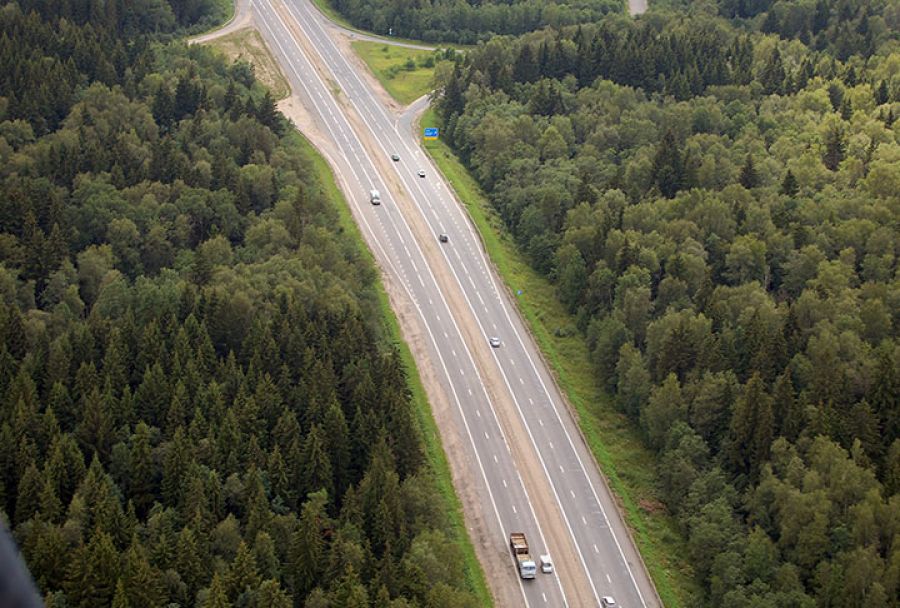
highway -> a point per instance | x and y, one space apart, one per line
544 482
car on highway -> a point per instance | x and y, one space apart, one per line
495 341
421 172
443 238
608 602
546 564
395 157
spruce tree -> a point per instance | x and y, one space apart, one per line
786 408
749 178
216 596
242 575
751 430
142 582
316 471
881 93
308 547
668 172
789 186
834 148
191 567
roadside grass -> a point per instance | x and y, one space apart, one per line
401 71
247 45
437 461
615 442
332 13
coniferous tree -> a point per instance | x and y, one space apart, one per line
749 178
216 597
668 166
786 408
834 148
751 430
526 68
188 561
789 186
773 74
315 465
242 575
141 581
881 93
308 547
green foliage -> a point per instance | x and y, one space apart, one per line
731 259
198 405
466 22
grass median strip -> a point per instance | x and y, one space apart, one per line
406 74
437 460
613 439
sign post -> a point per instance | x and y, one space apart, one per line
431 133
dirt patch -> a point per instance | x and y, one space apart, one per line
651 506
247 45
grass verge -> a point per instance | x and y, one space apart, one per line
437 460
615 442
401 71
331 12
247 45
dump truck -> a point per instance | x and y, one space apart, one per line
519 545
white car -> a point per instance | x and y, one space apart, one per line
495 341
421 172
608 602
546 564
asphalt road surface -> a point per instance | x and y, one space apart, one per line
533 472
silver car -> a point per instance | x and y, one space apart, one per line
495 341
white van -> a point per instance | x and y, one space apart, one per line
546 564
375 197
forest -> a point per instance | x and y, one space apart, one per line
716 197
467 22
199 402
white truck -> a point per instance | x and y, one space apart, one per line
519 546
375 197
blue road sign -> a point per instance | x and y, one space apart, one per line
431 133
